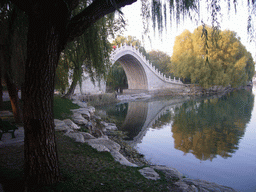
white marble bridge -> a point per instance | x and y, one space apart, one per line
142 75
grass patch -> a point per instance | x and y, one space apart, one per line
12 180
62 106
85 169
90 170
7 105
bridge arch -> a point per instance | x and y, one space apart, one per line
141 75
135 73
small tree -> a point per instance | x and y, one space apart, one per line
117 78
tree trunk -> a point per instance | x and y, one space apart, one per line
48 33
14 98
45 41
1 89
72 87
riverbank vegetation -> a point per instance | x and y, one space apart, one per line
211 57
82 168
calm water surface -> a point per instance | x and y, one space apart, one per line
211 138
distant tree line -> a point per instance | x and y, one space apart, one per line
211 57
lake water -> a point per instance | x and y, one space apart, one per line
211 138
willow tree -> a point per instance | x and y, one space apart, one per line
90 52
216 59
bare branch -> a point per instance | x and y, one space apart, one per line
91 14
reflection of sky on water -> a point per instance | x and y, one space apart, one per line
238 172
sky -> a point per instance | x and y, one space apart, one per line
234 22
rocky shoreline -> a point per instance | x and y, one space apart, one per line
85 127
105 136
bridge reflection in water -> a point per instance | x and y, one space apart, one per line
204 127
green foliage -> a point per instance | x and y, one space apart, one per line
89 52
116 78
61 79
161 60
62 106
212 57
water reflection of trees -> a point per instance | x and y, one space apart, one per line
212 127
117 113
162 121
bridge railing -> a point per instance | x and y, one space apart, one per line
146 62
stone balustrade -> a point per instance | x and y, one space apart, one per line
125 47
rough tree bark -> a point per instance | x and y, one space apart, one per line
1 88
48 33
45 42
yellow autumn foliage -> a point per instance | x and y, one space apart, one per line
211 57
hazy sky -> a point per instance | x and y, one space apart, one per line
235 22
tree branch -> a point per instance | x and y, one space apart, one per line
79 23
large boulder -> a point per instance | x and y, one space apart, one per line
188 185
89 109
203 185
100 147
79 103
121 159
79 119
108 126
77 136
149 173
61 125
87 135
71 124
80 136
171 173
103 144
85 112
111 145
